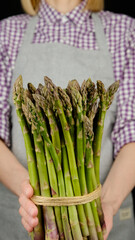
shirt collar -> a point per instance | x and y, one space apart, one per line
76 16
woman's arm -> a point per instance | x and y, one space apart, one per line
119 183
12 173
15 177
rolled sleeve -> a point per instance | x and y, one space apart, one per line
4 110
124 129
5 123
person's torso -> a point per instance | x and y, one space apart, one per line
62 63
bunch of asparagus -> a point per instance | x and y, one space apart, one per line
62 130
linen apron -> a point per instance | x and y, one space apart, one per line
62 63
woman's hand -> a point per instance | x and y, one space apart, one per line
28 209
118 184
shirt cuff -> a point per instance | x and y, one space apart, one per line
5 126
123 136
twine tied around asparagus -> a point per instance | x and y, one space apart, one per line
67 201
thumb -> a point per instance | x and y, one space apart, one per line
27 189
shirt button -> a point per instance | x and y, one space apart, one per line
64 19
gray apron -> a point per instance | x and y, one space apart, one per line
63 63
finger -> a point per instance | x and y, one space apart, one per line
105 236
28 205
109 228
27 226
33 222
27 189
108 214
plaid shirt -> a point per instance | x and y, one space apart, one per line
76 29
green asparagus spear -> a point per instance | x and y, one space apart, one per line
87 90
90 173
54 189
90 170
67 106
73 216
106 98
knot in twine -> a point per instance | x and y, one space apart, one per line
67 201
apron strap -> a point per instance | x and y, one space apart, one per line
28 36
99 32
